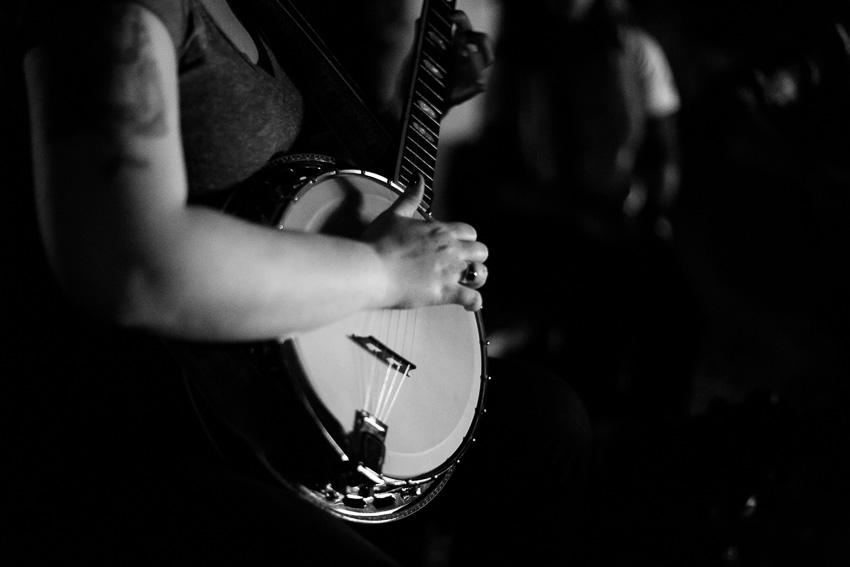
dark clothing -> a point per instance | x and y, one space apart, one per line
110 501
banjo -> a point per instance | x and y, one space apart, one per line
367 417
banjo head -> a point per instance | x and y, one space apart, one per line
431 410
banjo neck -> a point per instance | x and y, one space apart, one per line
426 101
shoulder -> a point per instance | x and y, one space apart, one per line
174 14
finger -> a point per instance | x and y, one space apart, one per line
461 231
468 298
483 45
461 21
479 53
475 54
474 276
408 203
475 42
473 251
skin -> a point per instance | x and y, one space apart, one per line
474 53
111 193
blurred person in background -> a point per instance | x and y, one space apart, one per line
579 158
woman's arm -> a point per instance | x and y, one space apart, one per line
111 194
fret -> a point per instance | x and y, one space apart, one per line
421 121
427 172
427 92
437 43
417 145
424 164
425 126
431 63
431 91
437 39
429 96
434 70
418 164
415 160
423 152
421 146
430 135
427 109
424 135
433 73
427 199
425 105
409 175
425 141
443 18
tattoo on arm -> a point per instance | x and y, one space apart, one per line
136 102
112 82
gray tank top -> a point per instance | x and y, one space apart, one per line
235 115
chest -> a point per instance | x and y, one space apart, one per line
237 109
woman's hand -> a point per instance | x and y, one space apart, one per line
428 262
471 54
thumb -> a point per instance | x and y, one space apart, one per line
408 203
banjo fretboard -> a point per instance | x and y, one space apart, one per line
428 93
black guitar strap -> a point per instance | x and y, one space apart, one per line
316 71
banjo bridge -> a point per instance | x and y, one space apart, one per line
384 353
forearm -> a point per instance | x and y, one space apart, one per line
204 275
220 278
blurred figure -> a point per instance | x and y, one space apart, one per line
579 147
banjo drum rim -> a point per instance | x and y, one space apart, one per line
471 418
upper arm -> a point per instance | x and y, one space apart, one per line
107 156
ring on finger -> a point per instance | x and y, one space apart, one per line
469 274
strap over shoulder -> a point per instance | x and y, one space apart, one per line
315 70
